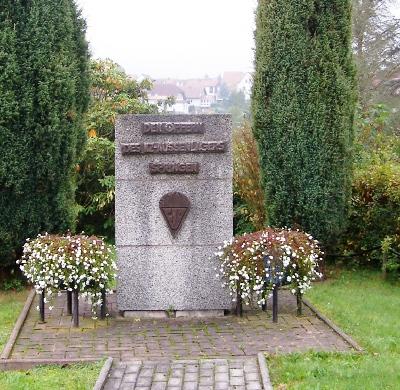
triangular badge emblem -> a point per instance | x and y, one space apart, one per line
174 207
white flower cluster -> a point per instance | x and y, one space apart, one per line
253 264
53 263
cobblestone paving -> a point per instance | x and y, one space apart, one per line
219 374
127 339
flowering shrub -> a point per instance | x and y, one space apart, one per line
253 264
53 263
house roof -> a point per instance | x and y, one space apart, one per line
165 90
232 79
193 89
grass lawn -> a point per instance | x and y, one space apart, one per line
11 304
367 308
77 377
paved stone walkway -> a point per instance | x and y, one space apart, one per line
127 339
219 374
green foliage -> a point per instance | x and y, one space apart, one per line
113 92
96 184
375 140
391 255
375 207
44 93
375 211
13 284
249 195
303 108
241 217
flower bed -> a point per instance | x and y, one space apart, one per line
254 264
73 263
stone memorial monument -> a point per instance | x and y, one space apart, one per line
173 209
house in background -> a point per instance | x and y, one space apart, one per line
238 82
160 95
194 96
201 93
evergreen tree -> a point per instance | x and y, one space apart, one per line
44 72
303 108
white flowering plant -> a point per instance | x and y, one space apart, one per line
73 263
252 265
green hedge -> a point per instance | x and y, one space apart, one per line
375 216
303 108
44 92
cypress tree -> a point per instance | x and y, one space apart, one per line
12 165
303 108
44 69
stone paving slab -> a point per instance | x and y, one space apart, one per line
203 374
174 338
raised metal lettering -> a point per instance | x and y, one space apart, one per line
149 128
174 168
173 147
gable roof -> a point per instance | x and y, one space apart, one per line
165 90
193 89
232 79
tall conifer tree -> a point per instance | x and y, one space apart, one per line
44 74
303 107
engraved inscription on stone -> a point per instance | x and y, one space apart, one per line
174 147
174 168
174 207
173 128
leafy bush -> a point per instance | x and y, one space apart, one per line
250 204
241 219
81 263
96 184
375 214
373 235
253 264
113 92
391 255
12 284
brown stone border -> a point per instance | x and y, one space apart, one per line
103 376
262 363
17 327
334 327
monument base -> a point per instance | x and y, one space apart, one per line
159 314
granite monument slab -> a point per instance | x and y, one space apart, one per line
173 209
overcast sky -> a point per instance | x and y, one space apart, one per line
173 38
176 38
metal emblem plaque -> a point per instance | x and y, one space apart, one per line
174 207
